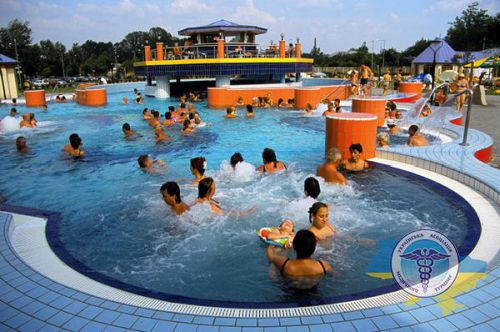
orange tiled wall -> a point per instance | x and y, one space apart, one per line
371 106
224 97
342 133
411 87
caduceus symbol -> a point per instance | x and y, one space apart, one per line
425 259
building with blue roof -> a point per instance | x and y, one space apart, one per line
8 82
446 58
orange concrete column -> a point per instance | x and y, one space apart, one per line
303 96
159 51
371 106
411 87
35 98
220 48
344 129
93 97
298 51
147 53
282 48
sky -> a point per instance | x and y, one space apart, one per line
338 25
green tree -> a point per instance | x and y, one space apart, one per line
413 51
475 27
17 34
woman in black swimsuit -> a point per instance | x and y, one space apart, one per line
302 272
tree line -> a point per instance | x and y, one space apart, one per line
474 30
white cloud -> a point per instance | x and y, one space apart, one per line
126 6
190 6
248 13
337 4
395 17
446 5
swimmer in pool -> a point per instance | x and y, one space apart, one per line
240 102
44 108
250 113
415 139
337 107
329 170
308 110
149 165
171 194
160 135
318 217
284 230
235 159
198 166
206 191
304 244
74 148
187 127
383 140
168 119
127 131
230 113
311 187
355 163
270 165
26 122
145 114
393 127
124 100
155 120
330 110
21 145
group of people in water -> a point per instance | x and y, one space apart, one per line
304 241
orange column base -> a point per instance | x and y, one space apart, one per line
411 87
94 97
344 129
35 98
370 106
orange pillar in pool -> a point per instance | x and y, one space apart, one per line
344 129
159 51
35 98
298 51
147 53
375 106
220 48
411 87
282 48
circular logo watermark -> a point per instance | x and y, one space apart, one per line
425 263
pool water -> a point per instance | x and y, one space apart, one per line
115 222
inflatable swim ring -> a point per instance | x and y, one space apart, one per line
262 233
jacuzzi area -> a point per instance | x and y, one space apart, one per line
112 245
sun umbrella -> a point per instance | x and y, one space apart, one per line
490 62
448 75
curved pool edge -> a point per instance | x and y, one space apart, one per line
30 244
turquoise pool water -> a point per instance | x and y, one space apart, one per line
114 221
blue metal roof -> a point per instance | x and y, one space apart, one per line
6 60
444 54
222 26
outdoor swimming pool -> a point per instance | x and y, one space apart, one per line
115 223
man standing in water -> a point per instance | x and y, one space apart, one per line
366 76
329 170
21 145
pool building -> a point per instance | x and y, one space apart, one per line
220 50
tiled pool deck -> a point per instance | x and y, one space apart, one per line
30 301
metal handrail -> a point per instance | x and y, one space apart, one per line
332 92
469 92
467 117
